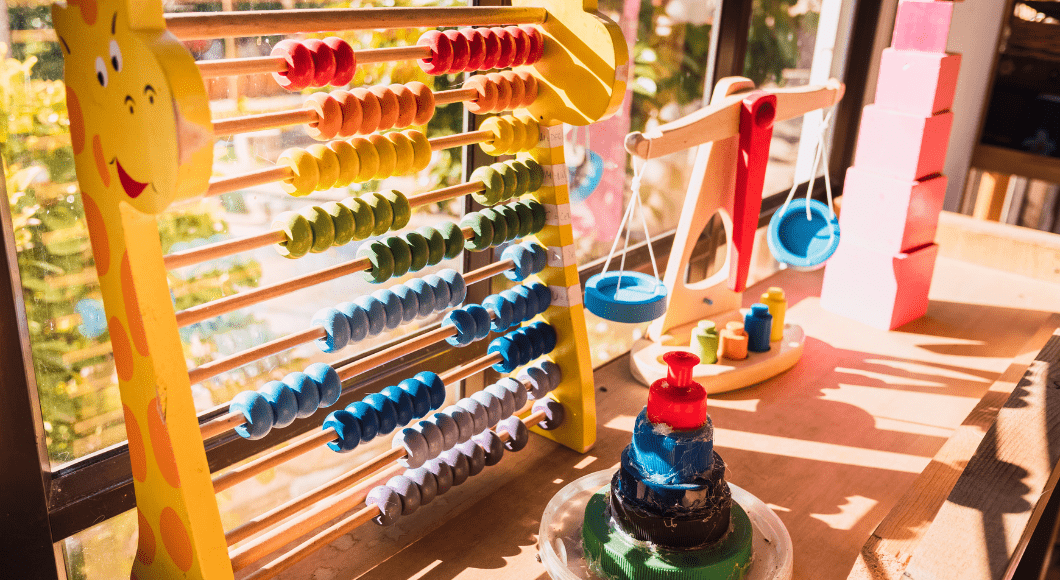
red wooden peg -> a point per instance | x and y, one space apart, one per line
757 113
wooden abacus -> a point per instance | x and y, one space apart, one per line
139 111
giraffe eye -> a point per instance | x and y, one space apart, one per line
101 72
115 56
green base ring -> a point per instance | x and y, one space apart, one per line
619 557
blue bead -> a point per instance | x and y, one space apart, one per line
256 410
539 255
283 402
548 336
386 414
335 325
410 303
530 299
524 345
482 320
442 296
537 342
544 296
421 397
758 323
523 259
306 391
424 294
357 319
508 351
519 313
457 286
376 313
347 430
464 324
367 417
327 381
503 309
392 306
435 386
402 403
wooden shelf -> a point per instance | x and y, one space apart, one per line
1010 161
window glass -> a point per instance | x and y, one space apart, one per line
791 43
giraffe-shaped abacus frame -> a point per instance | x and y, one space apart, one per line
143 139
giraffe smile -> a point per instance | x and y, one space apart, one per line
132 187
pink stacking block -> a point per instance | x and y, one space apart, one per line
890 215
918 83
922 25
902 146
876 288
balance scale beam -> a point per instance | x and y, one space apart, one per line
732 137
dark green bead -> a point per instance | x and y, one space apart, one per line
482 228
526 218
399 207
402 254
382 210
420 251
454 239
363 217
435 244
381 259
342 218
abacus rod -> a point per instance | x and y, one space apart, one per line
222 185
303 524
230 420
295 505
277 119
227 304
398 350
224 67
341 528
222 249
216 367
229 247
248 470
190 26
278 172
474 367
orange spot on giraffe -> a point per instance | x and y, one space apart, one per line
146 543
132 307
101 163
77 121
119 342
137 452
89 10
175 539
161 444
97 232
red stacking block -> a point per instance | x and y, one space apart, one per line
890 215
902 146
876 288
922 25
918 83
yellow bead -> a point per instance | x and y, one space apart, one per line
368 157
518 134
502 136
421 150
304 167
533 131
387 156
349 164
405 154
327 166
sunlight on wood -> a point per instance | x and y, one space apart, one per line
850 513
817 451
586 462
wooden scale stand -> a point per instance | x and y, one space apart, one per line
732 135
143 139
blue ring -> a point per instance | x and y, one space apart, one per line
802 243
643 297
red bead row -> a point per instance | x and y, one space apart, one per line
315 63
472 49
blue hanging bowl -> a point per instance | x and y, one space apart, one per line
803 243
641 298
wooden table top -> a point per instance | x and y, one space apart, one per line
831 445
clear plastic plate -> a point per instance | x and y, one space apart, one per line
559 541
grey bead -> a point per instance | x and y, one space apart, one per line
388 502
492 404
554 413
426 481
433 435
415 444
478 413
518 434
476 457
447 425
408 491
540 385
492 447
458 464
518 391
555 374
443 474
506 398
465 422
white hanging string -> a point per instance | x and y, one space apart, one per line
635 202
820 157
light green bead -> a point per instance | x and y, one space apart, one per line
322 226
299 235
454 239
382 260
399 207
492 181
363 217
482 228
383 211
343 220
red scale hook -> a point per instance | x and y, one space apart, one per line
757 113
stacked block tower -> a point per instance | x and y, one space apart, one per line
881 273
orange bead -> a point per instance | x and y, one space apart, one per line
504 92
518 89
424 102
486 101
388 107
530 86
733 342
351 112
406 105
330 116
370 111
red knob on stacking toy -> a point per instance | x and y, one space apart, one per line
677 400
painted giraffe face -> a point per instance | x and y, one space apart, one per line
139 102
